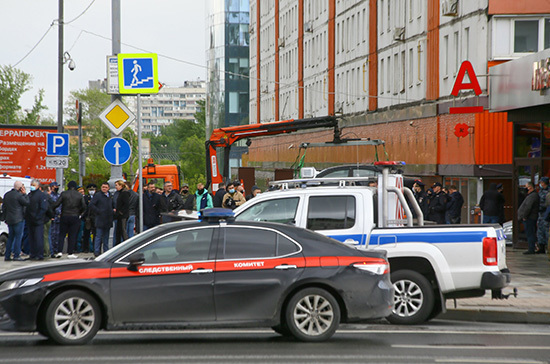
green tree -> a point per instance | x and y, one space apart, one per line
187 138
13 84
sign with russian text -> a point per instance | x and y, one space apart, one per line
23 152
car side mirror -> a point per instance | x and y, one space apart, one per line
136 260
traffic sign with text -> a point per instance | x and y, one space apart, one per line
117 151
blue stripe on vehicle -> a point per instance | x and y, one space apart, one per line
342 238
425 237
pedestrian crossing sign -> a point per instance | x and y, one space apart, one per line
138 73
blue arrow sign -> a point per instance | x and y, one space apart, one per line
117 151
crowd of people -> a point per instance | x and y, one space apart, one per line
438 204
42 221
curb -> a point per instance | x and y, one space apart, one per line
499 316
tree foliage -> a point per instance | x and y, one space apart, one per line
13 84
187 138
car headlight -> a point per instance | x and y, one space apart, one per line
8 285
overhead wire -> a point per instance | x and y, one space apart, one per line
205 67
54 22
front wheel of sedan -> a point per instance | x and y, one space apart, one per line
312 314
72 318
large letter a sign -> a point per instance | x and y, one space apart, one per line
466 66
459 85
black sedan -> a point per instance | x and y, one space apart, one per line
209 273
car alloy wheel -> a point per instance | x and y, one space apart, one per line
413 298
73 317
313 315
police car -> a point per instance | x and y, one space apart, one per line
214 272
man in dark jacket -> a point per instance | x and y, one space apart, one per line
102 207
421 198
14 204
133 207
72 206
528 212
151 207
218 196
122 211
454 206
491 204
35 217
171 201
437 204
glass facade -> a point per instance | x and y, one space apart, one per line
227 61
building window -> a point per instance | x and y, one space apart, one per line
233 102
526 36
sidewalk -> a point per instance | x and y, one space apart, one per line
530 275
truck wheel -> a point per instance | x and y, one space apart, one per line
3 242
72 318
312 314
413 299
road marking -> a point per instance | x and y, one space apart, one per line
486 360
470 347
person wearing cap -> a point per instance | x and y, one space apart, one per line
542 224
437 205
72 206
54 228
492 205
88 218
185 195
421 197
253 192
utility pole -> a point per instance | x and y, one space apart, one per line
116 171
60 62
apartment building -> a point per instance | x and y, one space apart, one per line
388 69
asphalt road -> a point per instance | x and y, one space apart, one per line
437 342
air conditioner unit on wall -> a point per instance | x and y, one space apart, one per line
449 7
399 33
281 42
308 26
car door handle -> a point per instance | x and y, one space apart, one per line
201 270
286 266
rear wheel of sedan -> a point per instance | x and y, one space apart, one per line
413 298
3 242
72 318
312 314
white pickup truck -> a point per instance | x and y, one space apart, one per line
429 264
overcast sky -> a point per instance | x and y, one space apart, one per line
170 28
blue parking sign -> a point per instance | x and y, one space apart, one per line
138 73
57 144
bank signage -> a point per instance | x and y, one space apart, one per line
541 75
523 82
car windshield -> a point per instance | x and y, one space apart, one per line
133 241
